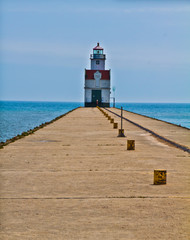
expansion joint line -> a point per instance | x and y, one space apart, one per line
92 197
174 144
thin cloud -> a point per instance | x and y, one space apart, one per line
71 55
42 49
43 54
67 8
158 10
153 1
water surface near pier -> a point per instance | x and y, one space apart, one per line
16 117
176 113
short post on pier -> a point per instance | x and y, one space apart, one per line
160 177
111 120
130 144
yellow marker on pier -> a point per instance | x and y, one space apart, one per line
130 144
111 120
160 177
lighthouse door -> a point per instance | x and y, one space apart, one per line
96 95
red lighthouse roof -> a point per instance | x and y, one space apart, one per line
98 47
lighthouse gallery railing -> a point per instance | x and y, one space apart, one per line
97 56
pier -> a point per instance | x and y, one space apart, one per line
75 179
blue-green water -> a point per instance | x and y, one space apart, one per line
17 117
176 113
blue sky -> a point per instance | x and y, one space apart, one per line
45 47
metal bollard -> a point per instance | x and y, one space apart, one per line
160 177
121 131
130 144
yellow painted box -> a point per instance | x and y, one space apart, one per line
160 177
130 144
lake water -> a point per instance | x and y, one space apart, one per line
17 117
176 113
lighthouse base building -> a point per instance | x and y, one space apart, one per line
97 81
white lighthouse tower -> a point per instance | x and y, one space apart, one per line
97 80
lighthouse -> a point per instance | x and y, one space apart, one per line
97 80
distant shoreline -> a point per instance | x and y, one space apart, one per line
81 102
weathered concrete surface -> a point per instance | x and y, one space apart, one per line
74 179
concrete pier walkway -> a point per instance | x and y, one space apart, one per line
74 179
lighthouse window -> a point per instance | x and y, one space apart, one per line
97 62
